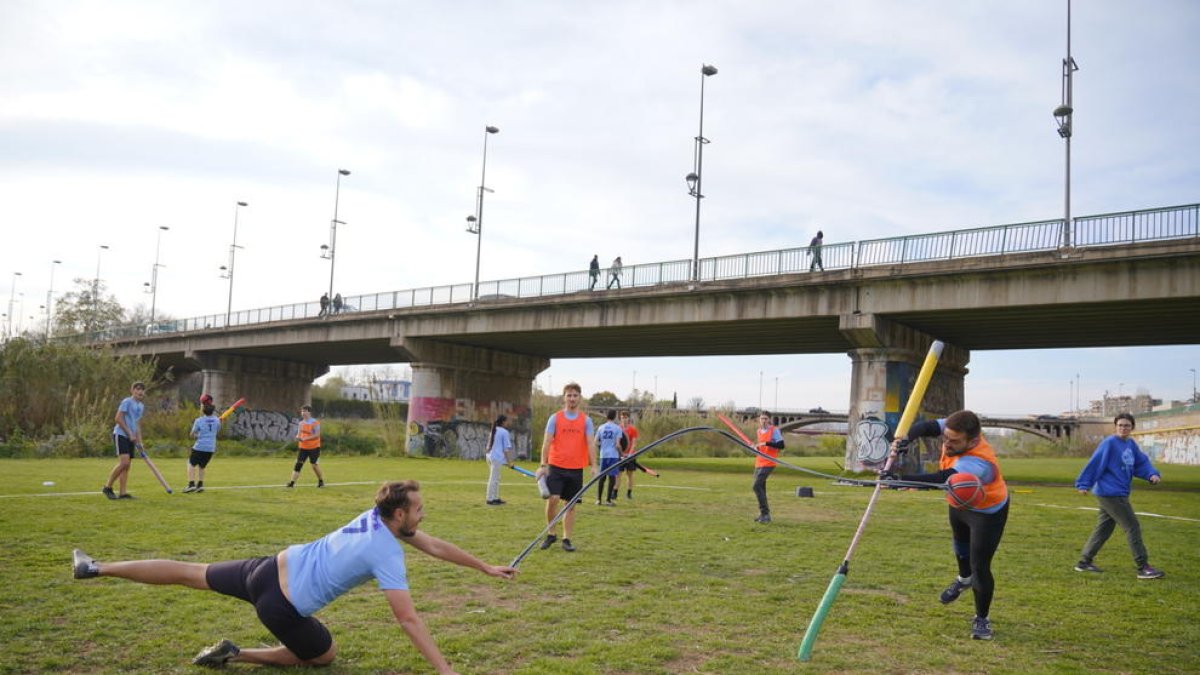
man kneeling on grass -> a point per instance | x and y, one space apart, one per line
288 588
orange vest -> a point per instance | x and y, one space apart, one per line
764 437
995 491
569 447
309 435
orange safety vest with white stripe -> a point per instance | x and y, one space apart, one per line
764 437
994 492
309 434
569 447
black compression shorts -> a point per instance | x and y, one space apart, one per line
256 580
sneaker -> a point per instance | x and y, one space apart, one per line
548 541
500 501
610 503
217 655
199 489
108 492
1087 567
954 590
629 494
291 484
764 518
83 565
190 488
981 629
567 546
126 496
1148 572
320 483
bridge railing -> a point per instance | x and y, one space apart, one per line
1110 229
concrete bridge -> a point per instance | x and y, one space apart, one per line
881 302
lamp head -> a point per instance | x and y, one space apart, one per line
692 179
242 204
707 70
491 129
344 172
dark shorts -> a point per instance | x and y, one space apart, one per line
200 458
565 483
309 455
124 445
630 467
256 580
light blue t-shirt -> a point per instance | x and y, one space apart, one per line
501 442
133 415
321 570
609 436
205 430
550 423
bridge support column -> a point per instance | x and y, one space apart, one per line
274 390
458 391
885 367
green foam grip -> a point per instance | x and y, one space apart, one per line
814 626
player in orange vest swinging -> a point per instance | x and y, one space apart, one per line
770 442
566 449
309 436
976 529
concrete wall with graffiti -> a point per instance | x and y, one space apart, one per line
457 427
263 425
1170 436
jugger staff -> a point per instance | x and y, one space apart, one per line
154 470
906 420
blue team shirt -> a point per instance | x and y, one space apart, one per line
321 570
500 442
133 416
205 430
609 436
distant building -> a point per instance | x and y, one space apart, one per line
384 391
1112 405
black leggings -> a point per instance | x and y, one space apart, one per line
976 538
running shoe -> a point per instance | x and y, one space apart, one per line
217 655
954 590
548 541
1148 572
83 565
1087 567
981 629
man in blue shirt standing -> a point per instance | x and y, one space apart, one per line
1109 475
286 589
127 436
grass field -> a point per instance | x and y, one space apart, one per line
677 580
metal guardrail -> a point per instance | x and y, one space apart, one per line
1110 229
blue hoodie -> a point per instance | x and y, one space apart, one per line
1110 471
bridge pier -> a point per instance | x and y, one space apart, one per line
886 363
266 384
458 391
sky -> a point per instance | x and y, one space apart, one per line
863 119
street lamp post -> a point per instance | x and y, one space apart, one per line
152 286
475 222
227 271
329 251
1194 401
695 178
96 283
50 297
1063 115
12 294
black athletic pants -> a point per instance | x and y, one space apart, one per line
976 538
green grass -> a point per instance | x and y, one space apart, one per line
679 580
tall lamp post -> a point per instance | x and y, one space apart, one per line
152 285
96 283
475 222
50 297
1194 401
1063 115
695 178
12 294
328 250
227 271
